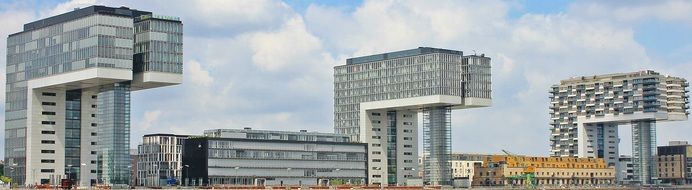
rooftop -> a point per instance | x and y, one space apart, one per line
79 13
400 54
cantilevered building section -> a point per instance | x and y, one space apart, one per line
586 111
377 99
69 79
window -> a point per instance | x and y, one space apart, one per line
93 106
48 94
48 122
408 146
93 143
93 115
408 115
47 132
48 113
93 161
375 121
376 152
408 138
408 161
93 134
93 96
93 124
376 129
376 145
48 151
376 114
48 103
408 153
47 161
47 142
408 130
376 160
47 170
93 152
376 137
93 171
408 123
376 176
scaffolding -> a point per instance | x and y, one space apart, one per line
437 145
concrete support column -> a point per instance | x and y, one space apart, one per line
644 151
437 145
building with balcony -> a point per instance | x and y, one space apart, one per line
377 99
585 113
69 79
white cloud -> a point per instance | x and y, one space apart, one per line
284 48
149 120
197 74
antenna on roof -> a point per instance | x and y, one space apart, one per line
474 51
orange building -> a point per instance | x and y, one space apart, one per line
497 170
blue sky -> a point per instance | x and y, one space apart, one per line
268 64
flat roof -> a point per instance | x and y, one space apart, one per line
400 54
79 13
166 134
206 138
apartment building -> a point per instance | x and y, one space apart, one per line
586 112
160 160
675 163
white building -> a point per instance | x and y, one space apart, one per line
377 99
69 79
586 112
160 159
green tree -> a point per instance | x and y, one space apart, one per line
2 169
5 180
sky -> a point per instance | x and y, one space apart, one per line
269 64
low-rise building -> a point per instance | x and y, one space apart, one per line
160 160
227 157
675 163
463 168
625 173
499 170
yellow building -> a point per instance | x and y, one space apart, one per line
549 171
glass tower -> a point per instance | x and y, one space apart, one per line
67 93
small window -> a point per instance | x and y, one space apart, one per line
48 122
47 170
48 113
93 106
47 142
408 130
408 146
408 138
376 145
408 153
376 137
47 161
48 151
48 103
376 129
93 143
93 115
376 114
376 160
408 123
93 134
48 94
93 171
93 124
93 152
48 132
93 96
376 152
93 161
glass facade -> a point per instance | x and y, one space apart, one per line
158 44
437 145
73 125
391 148
113 147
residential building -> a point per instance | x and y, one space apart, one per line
69 78
160 159
463 165
230 157
377 99
500 170
586 112
625 170
675 163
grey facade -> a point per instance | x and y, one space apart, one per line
377 99
69 79
625 172
675 163
228 157
586 112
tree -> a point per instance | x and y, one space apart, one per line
2 169
5 180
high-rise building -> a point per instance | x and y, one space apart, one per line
69 79
586 112
160 159
377 99
675 163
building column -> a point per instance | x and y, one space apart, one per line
644 151
437 145
113 146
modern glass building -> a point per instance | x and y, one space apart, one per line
69 79
586 112
377 99
233 157
160 159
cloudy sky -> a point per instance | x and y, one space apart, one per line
268 64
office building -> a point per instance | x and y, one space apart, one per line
625 170
586 112
675 163
377 99
500 170
232 157
69 79
160 159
